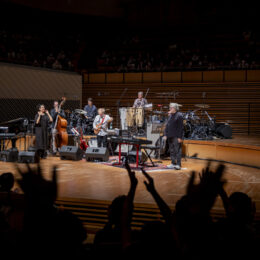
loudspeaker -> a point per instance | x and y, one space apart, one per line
224 130
97 154
27 157
71 153
10 155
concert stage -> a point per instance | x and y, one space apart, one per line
87 188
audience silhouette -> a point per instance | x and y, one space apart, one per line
188 232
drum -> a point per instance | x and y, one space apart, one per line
123 121
139 116
148 107
130 116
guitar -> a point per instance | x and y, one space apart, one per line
99 126
83 145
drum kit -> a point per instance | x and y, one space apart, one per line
77 119
198 124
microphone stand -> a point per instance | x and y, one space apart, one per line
146 92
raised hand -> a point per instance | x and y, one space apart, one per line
203 195
131 174
149 184
36 188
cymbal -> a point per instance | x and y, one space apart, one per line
159 112
80 111
202 105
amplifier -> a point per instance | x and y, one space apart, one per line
97 154
10 155
27 157
71 153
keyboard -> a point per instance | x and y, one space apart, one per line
7 135
126 140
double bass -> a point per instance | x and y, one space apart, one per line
61 136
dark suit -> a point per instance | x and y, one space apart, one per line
53 130
173 131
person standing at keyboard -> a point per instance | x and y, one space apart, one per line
42 120
174 134
100 126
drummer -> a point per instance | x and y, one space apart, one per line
90 109
140 101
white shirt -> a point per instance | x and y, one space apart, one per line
98 120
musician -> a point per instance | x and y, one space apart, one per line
174 134
42 120
54 113
90 109
101 122
140 101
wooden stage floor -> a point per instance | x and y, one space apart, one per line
86 180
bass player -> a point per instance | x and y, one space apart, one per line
100 126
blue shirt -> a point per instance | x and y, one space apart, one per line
91 111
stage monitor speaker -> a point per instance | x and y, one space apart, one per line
71 153
224 130
97 154
10 155
27 157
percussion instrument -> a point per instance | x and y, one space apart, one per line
139 116
202 106
80 111
123 114
148 107
130 116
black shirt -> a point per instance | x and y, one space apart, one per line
174 126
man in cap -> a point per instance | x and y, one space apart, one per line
174 133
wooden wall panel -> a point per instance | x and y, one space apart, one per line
115 77
97 78
85 77
213 76
235 75
133 77
253 75
171 76
152 77
192 76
